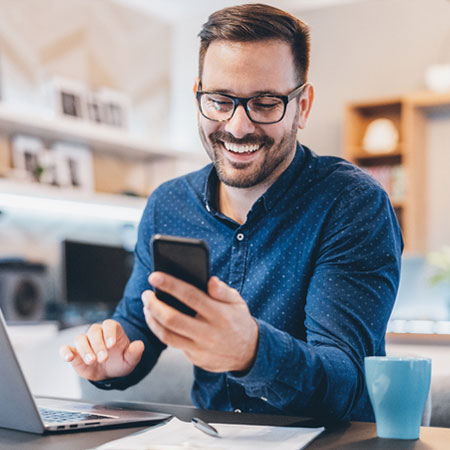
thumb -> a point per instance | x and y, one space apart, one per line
133 353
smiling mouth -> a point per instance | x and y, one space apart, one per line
241 149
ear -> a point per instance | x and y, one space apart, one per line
195 89
196 85
306 101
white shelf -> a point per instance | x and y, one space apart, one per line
67 203
97 137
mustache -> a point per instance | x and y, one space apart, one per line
249 139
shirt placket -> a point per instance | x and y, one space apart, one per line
238 258
239 248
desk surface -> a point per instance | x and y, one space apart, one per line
355 435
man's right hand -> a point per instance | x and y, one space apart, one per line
103 352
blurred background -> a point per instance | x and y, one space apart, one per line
96 110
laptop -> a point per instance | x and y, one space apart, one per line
19 410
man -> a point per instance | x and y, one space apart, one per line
305 250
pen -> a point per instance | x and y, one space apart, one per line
205 427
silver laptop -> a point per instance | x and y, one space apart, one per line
19 410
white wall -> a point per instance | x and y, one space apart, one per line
368 50
183 133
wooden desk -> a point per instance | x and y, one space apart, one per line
355 435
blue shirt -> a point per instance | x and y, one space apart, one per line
317 262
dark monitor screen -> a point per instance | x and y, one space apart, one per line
95 273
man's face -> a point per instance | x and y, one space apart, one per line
245 153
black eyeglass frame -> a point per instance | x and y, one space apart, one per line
244 102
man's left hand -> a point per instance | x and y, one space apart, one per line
222 337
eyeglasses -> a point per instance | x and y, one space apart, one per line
264 109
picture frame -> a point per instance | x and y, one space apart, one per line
95 108
104 105
69 97
26 157
115 107
74 166
63 165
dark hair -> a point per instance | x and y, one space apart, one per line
257 22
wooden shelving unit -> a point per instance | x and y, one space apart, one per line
402 171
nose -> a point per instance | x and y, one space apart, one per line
240 125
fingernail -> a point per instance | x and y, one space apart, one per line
110 342
67 357
88 358
101 355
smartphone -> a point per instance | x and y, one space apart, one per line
184 258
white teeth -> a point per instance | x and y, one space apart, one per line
241 148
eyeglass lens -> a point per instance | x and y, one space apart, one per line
260 109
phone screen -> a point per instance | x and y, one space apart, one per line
183 258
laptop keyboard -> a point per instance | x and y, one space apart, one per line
57 416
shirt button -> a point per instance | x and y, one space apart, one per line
237 410
240 236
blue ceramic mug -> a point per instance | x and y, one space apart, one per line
398 390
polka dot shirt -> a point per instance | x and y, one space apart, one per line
317 262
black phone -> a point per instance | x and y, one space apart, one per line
183 258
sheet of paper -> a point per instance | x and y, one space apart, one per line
177 434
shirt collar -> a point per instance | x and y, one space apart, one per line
275 193
271 197
210 190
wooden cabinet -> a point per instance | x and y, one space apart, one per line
403 169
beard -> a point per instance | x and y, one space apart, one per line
240 175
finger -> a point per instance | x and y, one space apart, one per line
146 297
112 332
133 353
67 352
169 317
169 337
95 337
84 349
185 292
219 290
70 354
79 364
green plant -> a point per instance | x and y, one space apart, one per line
37 172
440 260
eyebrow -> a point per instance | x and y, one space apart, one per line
254 94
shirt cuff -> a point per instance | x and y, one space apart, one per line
273 351
120 383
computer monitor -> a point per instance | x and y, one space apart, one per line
95 274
